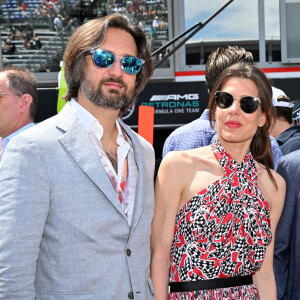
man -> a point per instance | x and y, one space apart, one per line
18 102
8 47
155 23
76 199
58 23
199 132
287 135
287 238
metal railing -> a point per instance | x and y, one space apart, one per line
52 51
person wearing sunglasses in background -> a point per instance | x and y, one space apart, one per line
287 135
76 193
200 133
214 224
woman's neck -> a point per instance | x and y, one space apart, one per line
237 150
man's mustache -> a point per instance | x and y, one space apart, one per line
115 80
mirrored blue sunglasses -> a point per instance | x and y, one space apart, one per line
104 59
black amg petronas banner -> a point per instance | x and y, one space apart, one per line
174 103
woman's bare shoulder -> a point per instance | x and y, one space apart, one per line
274 194
187 157
186 163
264 177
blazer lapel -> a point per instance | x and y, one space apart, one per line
139 193
78 144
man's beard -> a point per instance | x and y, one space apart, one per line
112 99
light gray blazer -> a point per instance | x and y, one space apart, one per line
63 232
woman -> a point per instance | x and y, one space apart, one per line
217 207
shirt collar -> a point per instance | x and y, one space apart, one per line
287 134
205 115
85 117
90 123
8 138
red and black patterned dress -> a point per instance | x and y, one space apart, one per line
222 231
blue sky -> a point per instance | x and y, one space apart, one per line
238 20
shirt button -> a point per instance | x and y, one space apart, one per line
131 295
128 252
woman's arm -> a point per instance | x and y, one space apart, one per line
264 277
168 190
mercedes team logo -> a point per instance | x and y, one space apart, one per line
128 113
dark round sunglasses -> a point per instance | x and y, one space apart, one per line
104 59
248 104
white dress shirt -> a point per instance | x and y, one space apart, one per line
91 124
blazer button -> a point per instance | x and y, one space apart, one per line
128 252
131 295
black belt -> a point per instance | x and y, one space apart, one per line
210 284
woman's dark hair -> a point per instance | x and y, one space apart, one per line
92 34
260 146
